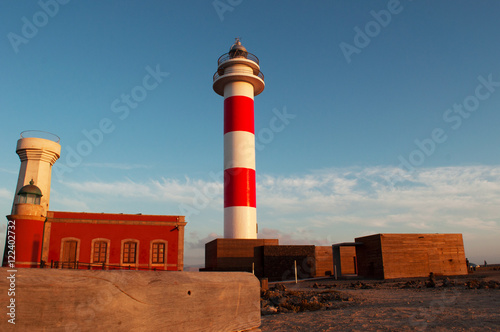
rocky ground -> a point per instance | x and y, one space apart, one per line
465 303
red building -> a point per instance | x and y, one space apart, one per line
93 240
37 237
99 241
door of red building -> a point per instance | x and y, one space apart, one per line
69 254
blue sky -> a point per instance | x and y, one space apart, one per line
388 113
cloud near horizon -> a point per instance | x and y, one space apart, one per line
321 207
428 199
452 196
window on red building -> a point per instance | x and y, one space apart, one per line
129 252
100 252
158 253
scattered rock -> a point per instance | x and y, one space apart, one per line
360 285
268 294
269 310
280 287
483 285
330 286
472 284
276 301
412 284
493 284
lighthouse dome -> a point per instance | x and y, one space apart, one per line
30 189
237 46
30 194
238 50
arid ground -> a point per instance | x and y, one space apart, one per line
464 303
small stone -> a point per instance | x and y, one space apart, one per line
270 310
280 287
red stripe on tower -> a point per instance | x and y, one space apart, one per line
239 187
238 114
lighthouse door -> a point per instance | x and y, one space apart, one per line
69 254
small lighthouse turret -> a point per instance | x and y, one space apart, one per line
238 79
38 151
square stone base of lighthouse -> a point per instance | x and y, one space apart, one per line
267 259
234 254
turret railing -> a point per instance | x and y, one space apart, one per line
228 56
40 134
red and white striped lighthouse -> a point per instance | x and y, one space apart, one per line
238 79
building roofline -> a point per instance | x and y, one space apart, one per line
114 216
347 244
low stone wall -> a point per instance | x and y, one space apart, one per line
77 300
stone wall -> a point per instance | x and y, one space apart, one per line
279 262
323 261
388 256
233 254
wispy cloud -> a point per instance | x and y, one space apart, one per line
117 166
172 190
194 241
71 204
9 171
6 194
419 200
